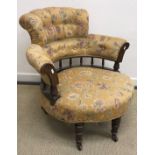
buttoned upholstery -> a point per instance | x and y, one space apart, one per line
50 24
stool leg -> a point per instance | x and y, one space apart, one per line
78 135
115 126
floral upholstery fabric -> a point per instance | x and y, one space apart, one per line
90 95
94 45
37 57
72 47
63 32
110 45
55 23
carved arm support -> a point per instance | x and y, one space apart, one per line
50 82
122 50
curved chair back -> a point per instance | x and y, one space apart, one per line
54 23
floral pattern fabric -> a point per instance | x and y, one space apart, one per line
63 32
37 57
54 23
110 45
90 95
73 47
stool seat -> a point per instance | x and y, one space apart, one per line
90 95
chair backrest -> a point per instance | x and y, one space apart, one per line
55 23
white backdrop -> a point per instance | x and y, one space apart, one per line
108 17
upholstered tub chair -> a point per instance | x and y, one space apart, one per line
81 93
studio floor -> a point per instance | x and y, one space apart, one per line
40 134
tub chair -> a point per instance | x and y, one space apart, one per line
77 93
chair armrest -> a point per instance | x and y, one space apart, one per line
114 48
40 60
37 57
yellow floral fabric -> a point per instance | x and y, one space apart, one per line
63 32
110 45
73 47
37 57
90 95
55 23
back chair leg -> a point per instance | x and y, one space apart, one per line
78 135
115 126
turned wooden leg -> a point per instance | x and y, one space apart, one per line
115 126
44 110
78 135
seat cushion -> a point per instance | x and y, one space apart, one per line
90 95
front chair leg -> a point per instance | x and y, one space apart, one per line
115 126
78 135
